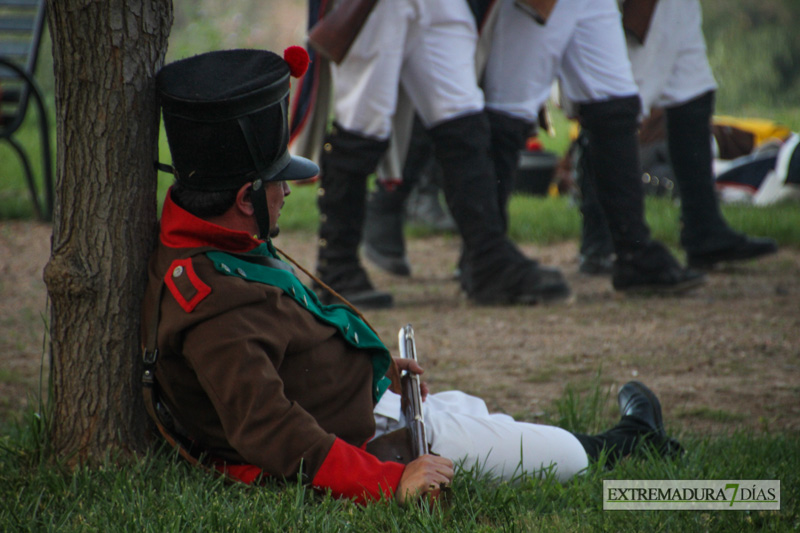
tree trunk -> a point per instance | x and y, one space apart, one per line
105 57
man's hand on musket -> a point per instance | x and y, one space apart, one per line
409 365
424 476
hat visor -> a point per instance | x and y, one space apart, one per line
299 168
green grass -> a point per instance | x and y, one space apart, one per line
537 220
533 219
549 220
160 493
717 415
15 197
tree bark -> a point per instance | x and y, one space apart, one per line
105 57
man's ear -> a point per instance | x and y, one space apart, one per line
244 204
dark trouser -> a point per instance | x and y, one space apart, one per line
347 160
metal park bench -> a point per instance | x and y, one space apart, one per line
21 27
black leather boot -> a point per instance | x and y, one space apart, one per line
641 423
508 138
641 263
493 270
597 246
384 242
415 199
423 206
705 235
347 159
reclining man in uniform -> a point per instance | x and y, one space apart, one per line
252 369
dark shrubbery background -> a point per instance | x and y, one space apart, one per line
754 49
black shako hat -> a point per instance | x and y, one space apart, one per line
226 118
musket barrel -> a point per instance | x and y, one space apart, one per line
412 391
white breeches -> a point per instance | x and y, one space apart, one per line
460 427
582 44
428 46
672 67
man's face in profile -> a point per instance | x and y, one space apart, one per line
276 191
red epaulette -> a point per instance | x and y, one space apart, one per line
184 284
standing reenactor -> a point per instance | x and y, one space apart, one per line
581 43
427 48
668 57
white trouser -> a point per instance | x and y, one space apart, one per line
582 43
672 67
460 427
428 46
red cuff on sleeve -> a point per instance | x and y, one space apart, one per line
246 474
351 472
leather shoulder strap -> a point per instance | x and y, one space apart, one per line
150 391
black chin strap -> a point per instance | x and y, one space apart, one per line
258 194
265 171
259 198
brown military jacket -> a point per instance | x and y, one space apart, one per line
255 369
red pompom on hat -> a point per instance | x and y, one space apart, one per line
297 58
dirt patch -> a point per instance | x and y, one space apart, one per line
721 358
24 250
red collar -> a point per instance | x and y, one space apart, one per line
181 229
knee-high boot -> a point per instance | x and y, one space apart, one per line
493 270
421 169
347 160
641 263
597 246
704 233
613 153
508 138
384 241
